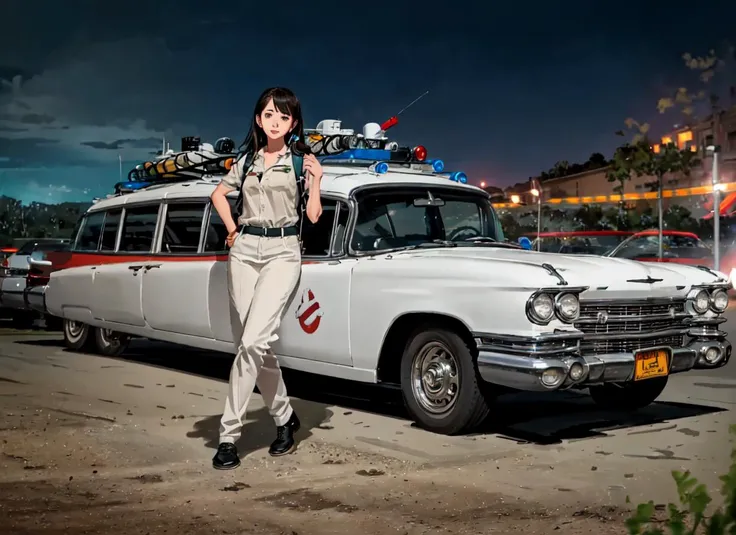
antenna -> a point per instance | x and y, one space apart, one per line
393 121
120 160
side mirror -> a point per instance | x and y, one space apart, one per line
525 243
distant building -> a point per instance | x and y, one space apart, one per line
594 182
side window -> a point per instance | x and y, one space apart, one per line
214 239
139 228
110 230
89 237
316 237
182 228
639 248
338 242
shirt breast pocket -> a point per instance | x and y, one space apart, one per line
282 180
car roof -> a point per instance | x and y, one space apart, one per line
339 181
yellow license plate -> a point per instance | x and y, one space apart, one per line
651 363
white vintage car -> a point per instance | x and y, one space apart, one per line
407 279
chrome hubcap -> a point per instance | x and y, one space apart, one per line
74 329
435 380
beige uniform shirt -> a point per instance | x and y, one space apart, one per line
270 202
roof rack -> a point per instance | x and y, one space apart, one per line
195 161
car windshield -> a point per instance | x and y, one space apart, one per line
409 217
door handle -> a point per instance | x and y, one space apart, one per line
151 266
135 268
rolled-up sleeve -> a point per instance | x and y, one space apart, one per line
234 178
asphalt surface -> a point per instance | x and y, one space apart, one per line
96 445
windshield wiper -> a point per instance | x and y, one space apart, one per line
434 243
482 239
490 242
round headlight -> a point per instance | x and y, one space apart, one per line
719 300
568 307
541 308
701 302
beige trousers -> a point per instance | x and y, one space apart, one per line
262 276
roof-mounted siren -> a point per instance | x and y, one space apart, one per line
190 143
224 145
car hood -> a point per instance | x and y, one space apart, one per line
531 268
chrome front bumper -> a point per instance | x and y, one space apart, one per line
528 363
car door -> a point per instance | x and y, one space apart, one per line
218 299
176 281
116 293
316 323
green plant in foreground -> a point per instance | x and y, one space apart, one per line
691 518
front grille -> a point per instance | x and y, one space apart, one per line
627 323
601 347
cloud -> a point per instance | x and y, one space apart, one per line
93 102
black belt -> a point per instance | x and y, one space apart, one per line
270 232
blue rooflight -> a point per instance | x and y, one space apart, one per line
380 168
459 176
438 166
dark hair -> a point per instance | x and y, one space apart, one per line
286 102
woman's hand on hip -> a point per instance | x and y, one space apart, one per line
230 240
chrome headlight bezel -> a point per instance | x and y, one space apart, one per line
715 295
567 318
555 295
532 313
693 298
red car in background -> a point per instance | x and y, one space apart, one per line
597 242
678 247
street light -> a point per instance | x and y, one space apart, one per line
483 184
717 187
515 199
538 194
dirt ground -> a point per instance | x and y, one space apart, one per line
67 473
104 446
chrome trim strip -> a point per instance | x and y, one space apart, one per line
652 317
634 335
535 338
633 302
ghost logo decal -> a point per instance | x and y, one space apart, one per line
309 312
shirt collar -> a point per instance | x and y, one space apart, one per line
282 156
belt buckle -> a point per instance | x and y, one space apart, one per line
264 231
282 232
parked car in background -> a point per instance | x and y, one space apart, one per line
597 242
13 281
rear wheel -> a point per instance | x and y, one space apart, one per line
77 335
440 384
628 396
110 343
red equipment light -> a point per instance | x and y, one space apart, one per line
393 121
420 153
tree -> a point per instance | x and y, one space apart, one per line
640 158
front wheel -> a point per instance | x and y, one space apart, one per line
110 343
76 335
628 396
440 384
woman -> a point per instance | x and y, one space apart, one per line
264 264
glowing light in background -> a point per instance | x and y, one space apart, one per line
483 184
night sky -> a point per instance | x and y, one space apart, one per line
513 88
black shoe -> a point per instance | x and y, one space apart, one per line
226 457
284 442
